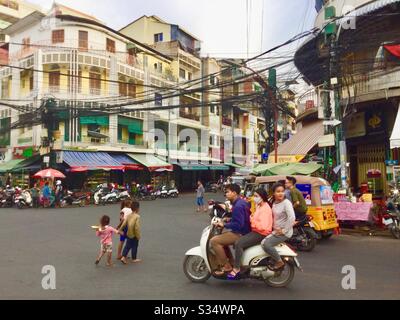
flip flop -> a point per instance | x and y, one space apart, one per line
234 276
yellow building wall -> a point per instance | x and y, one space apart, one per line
144 30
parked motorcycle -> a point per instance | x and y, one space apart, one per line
123 195
170 192
24 199
7 200
72 200
392 217
211 187
200 263
304 237
100 191
146 193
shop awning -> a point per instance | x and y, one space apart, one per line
395 137
216 166
150 161
297 147
81 161
287 169
192 166
233 165
98 135
31 164
126 161
9 165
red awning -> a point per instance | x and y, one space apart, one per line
394 49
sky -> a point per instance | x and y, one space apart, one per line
221 25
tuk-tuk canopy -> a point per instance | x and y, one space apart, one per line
313 181
273 169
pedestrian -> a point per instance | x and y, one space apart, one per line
35 192
105 232
46 195
284 218
9 180
200 197
133 234
58 193
297 198
123 214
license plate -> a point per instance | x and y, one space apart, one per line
387 221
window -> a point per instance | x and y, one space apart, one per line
57 36
26 43
83 40
158 37
189 76
182 73
54 81
158 67
110 47
212 80
212 109
158 99
123 88
95 83
132 90
31 81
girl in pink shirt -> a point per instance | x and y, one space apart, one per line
261 226
105 232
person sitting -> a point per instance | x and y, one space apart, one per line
297 198
237 227
261 226
284 218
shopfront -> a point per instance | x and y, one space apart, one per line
367 135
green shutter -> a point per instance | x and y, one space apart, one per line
99 120
134 125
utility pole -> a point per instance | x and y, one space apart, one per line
333 86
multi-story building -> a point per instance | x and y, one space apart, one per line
82 64
368 74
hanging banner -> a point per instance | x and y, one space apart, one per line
305 189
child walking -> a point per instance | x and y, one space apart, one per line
123 214
132 222
105 232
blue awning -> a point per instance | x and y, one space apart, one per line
83 161
126 161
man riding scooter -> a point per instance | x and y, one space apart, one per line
238 225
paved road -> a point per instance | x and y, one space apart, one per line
31 239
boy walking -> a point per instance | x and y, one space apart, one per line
132 222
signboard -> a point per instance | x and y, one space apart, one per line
24 152
310 104
326 194
285 158
348 211
355 125
46 159
375 122
305 189
326 141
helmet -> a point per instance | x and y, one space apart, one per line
58 182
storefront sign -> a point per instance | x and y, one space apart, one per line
355 125
24 152
326 141
375 122
305 189
348 211
285 158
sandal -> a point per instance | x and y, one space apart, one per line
275 267
233 275
222 272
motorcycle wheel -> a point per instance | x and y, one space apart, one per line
82 203
311 242
174 195
395 231
20 205
153 197
63 204
195 269
282 278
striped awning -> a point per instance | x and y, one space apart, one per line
303 141
83 161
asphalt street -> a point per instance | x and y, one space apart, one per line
31 239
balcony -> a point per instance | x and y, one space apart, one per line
373 85
188 115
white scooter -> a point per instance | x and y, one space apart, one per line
200 263
24 200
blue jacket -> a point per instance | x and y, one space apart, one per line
240 222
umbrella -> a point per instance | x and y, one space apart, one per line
49 173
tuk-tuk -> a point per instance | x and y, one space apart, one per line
319 198
248 191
